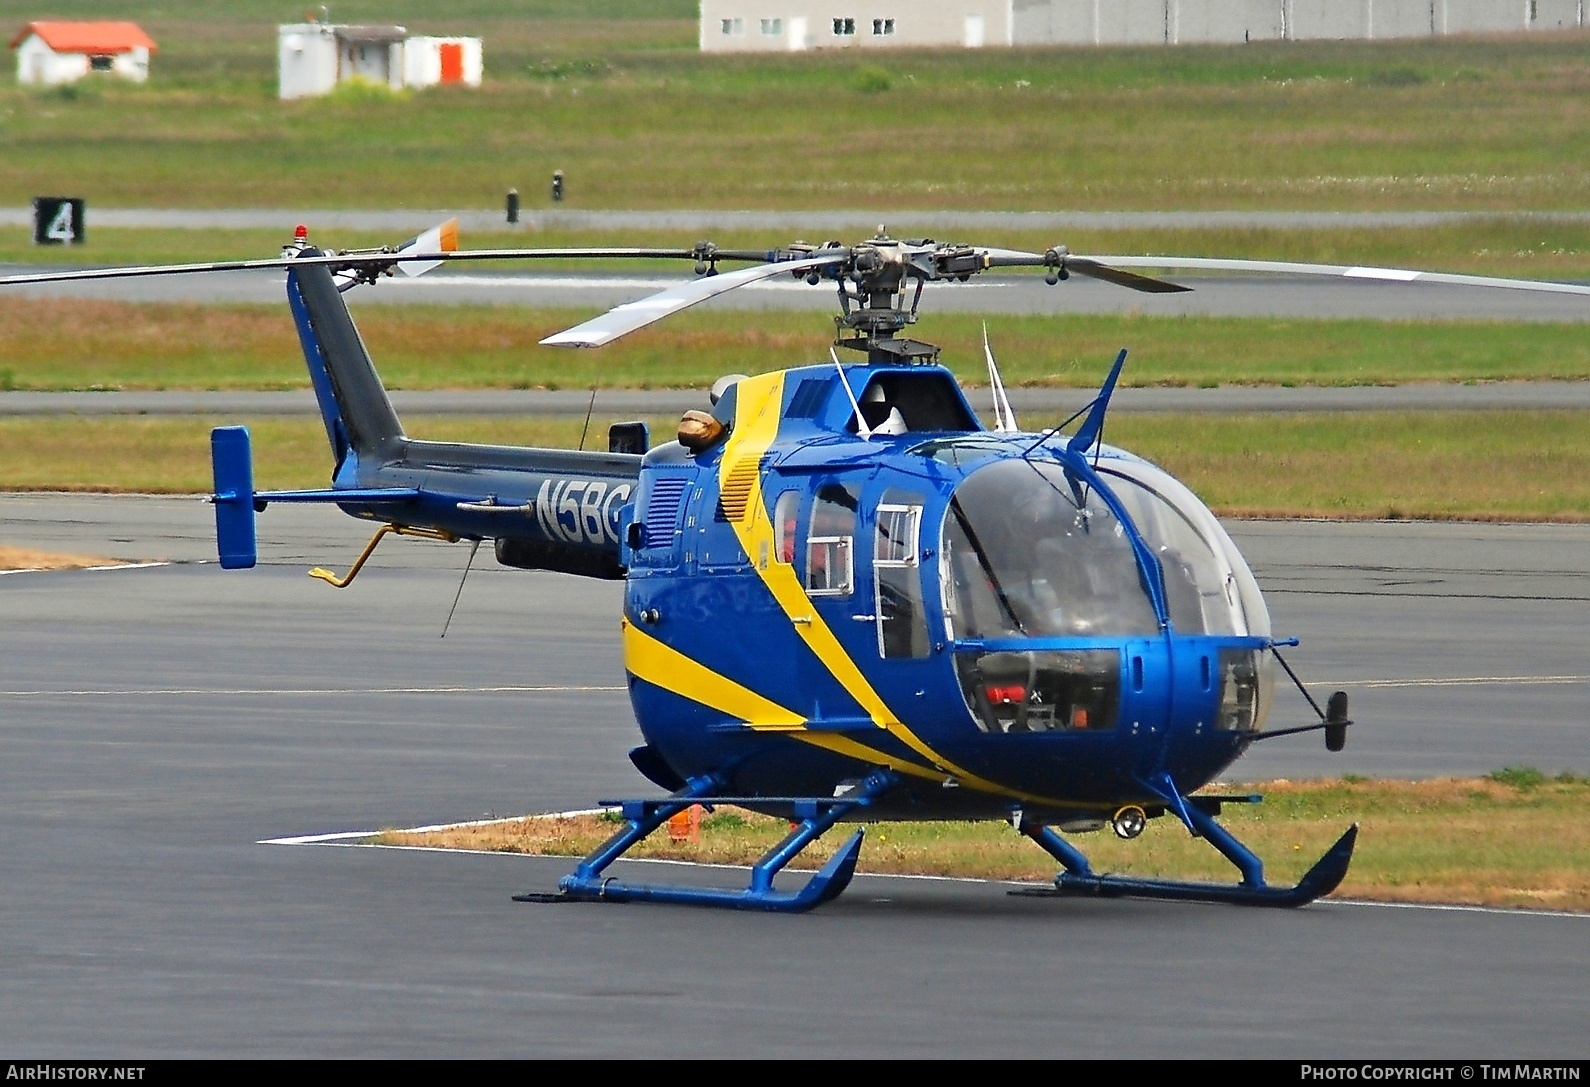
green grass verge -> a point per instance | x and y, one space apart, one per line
79 344
1497 841
162 455
637 118
1525 466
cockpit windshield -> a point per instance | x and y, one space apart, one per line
1029 552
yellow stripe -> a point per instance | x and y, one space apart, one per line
649 659
759 401
843 745
756 426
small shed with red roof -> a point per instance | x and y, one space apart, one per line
61 52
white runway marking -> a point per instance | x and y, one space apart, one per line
1396 275
345 835
86 569
1464 681
131 692
1447 908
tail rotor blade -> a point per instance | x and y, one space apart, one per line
438 239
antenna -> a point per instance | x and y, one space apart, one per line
589 408
473 548
861 423
1004 414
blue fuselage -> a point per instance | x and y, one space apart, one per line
803 608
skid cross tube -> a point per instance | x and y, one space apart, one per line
812 817
1078 877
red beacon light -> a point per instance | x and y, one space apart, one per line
299 243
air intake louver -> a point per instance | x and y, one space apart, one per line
810 396
662 511
736 489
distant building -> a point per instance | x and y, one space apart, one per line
769 26
312 58
778 25
428 61
60 52
1172 22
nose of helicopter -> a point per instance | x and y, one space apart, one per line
1216 695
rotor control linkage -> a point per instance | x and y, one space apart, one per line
369 549
1078 878
810 817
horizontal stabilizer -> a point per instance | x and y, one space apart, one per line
351 494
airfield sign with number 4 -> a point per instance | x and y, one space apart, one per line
58 220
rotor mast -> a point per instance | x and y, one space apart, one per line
873 309
880 289
881 280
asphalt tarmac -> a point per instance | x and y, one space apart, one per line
157 723
243 405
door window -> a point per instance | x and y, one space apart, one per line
830 542
901 611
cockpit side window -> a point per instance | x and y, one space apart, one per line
901 610
830 542
897 401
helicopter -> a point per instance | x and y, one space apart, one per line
847 598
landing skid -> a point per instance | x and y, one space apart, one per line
1078 877
813 816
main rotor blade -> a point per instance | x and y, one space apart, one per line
630 316
1094 269
347 260
164 270
1339 271
1011 258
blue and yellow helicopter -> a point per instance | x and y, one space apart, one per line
847 599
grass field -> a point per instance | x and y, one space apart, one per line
615 93
27 558
1523 466
62 345
637 118
1515 838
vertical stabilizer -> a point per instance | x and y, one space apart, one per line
233 462
354 404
